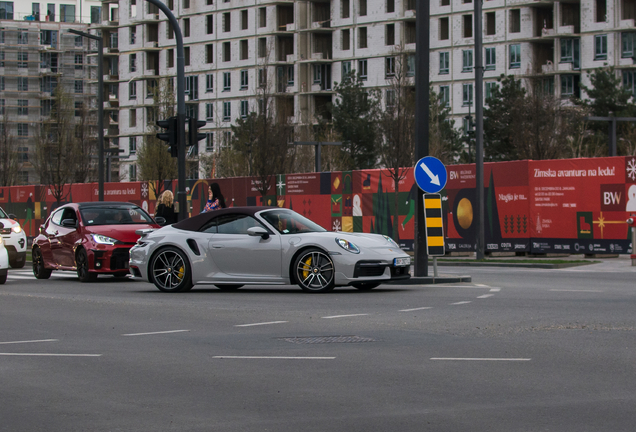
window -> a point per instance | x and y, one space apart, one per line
567 85
186 55
515 56
490 86
346 68
362 69
467 95
570 52
79 61
79 41
170 58
363 7
133 35
132 145
23 58
443 28
67 13
23 107
390 6
290 75
409 32
444 95
601 10
209 53
23 129
244 80
244 24
390 34
444 3
243 49
262 17
628 81
548 86
151 87
627 44
444 63
192 110
209 24
600 47
362 37
6 10
132 90
192 87
227 81
262 77
79 86
490 24
23 154
317 74
186 27
410 65
345 9
262 47
346 39
96 12
467 60
132 172
170 31
133 63
209 141
226 52
23 84
2 107
491 58
209 111
186 4
209 83
227 111
515 20
468 26
244 108
390 98
226 22
389 70
23 37
1 58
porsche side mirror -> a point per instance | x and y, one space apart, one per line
160 221
69 223
258 231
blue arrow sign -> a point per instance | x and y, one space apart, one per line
430 174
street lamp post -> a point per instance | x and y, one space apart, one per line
100 107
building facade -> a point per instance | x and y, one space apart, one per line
305 47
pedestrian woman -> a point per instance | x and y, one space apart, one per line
215 198
165 207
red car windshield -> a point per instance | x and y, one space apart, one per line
115 216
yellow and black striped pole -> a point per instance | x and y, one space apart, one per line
434 227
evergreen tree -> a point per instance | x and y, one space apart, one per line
501 117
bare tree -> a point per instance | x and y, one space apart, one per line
10 163
85 142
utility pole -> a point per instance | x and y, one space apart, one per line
479 131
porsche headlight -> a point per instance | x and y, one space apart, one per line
16 229
102 239
348 246
390 240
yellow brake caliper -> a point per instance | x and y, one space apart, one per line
307 266
179 273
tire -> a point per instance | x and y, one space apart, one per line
17 262
228 287
38 265
81 262
365 286
170 270
314 271
3 279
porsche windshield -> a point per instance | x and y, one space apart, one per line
114 216
289 222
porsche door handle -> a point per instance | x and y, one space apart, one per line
217 246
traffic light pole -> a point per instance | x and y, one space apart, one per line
182 198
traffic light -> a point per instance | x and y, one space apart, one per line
193 134
170 135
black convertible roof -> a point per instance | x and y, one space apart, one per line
196 222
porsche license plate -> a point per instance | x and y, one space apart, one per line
401 262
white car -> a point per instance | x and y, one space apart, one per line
4 262
15 240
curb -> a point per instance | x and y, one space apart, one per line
522 265
432 280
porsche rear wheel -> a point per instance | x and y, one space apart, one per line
314 271
170 270
81 261
365 286
38 265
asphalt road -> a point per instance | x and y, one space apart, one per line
515 350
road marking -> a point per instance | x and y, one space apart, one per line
495 289
154 333
29 341
343 316
259 324
485 296
415 309
457 286
564 290
461 303
273 357
479 359
482 285
50 355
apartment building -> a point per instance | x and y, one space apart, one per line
305 47
37 54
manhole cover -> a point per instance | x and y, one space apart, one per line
327 339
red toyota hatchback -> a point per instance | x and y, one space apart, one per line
90 238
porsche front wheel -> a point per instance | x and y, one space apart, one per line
170 270
314 271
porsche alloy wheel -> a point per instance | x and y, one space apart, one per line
38 265
314 271
170 270
81 261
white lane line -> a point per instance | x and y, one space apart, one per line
485 296
49 355
416 309
273 357
565 290
29 341
495 289
479 359
460 303
259 324
343 316
155 333
458 286
482 285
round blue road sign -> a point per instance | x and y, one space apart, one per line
430 174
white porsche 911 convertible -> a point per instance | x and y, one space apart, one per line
240 246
